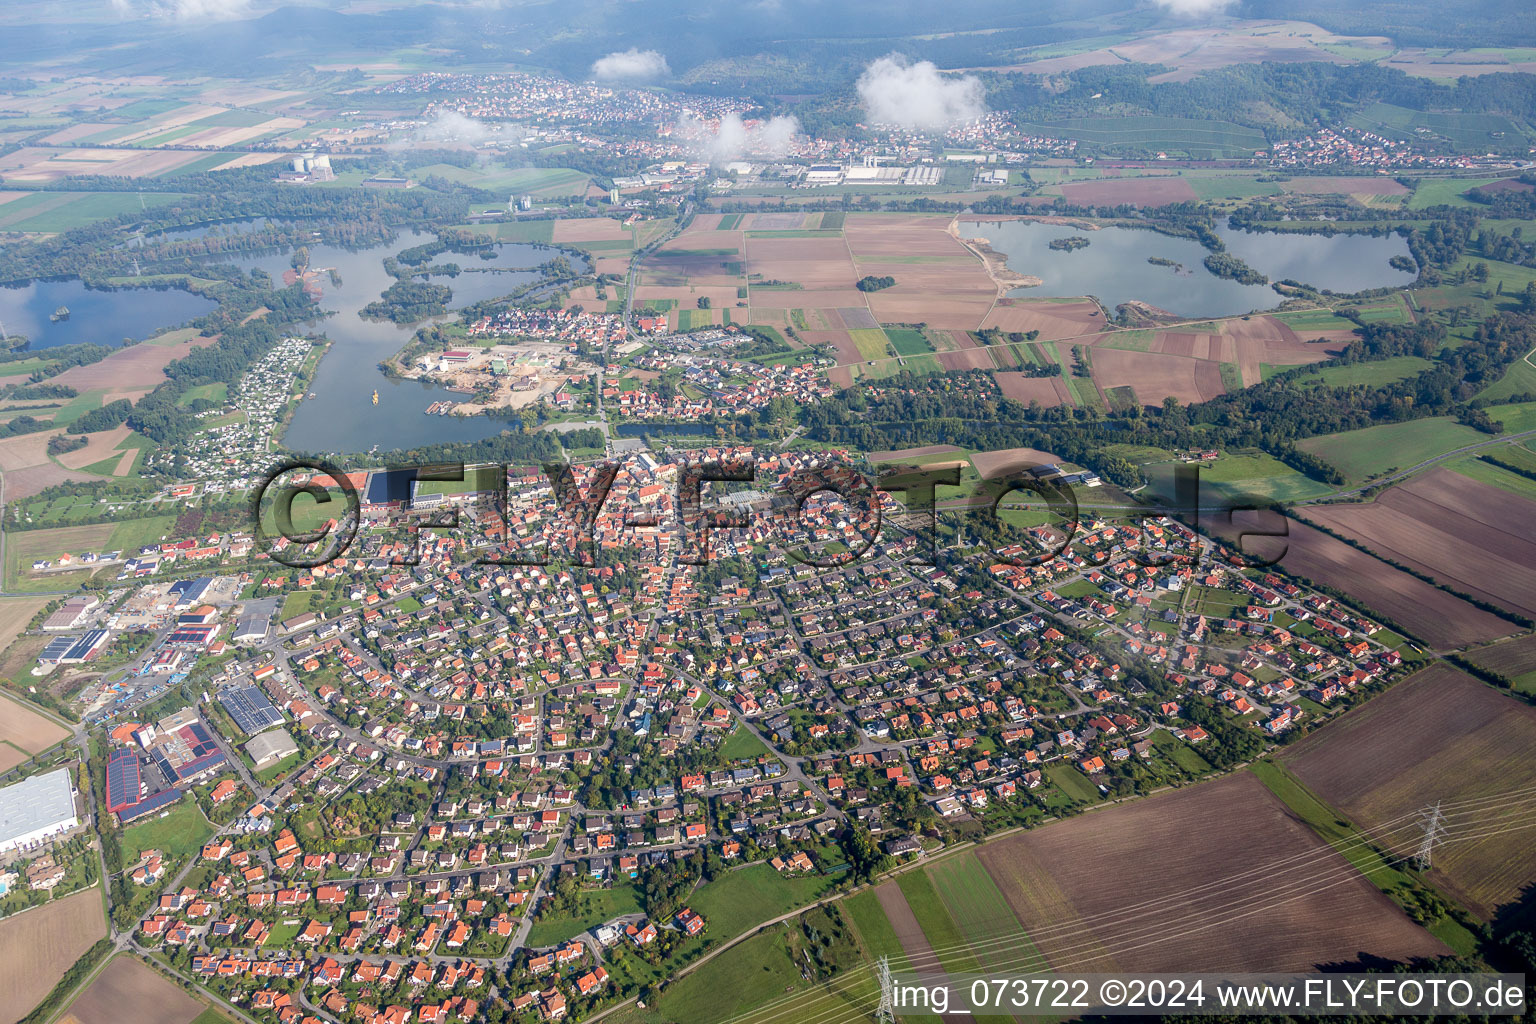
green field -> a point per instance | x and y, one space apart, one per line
1231 186
938 927
594 906
871 342
1495 476
1519 379
1313 320
907 341
1180 134
1360 454
1072 782
518 231
742 745
1446 192
540 182
51 212
981 911
180 833
752 895
1372 374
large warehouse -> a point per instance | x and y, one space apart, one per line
35 809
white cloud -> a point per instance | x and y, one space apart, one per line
632 65
734 138
452 126
184 10
1194 8
896 91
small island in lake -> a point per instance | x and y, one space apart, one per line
1069 243
1224 264
1164 261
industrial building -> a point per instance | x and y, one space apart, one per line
36 809
270 747
250 708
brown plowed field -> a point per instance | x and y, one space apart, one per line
1052 319
127 992
1156 376
1217 877
37 946
1439 619
1047 391
1473 536
1440 736
1135 191
970 359
1514 658
20 726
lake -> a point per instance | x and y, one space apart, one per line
1114 265
341 416
98 316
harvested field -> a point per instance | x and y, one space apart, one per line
136 367
842 341
904 454
1139 887
589 229
1440 735
1047 391
20 726
1473 536
1156 376
100 445
37 946
938 280
858 318
23 483
991 464
15 613
1342 185
128 992
1135 191
1439 619
1052 319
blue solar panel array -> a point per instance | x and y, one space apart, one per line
250 709
122 780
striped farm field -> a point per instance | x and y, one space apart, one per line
979 909
871 343
1214 877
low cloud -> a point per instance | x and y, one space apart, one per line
452 126
734 138
1194 8
896 91
184 10
632 65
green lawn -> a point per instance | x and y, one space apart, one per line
1517 419
179 834
1445 192
743 898
1361 454
742 745
300 601
736 982
1072 782
981 911
594 907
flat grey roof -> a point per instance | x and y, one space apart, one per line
35 803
